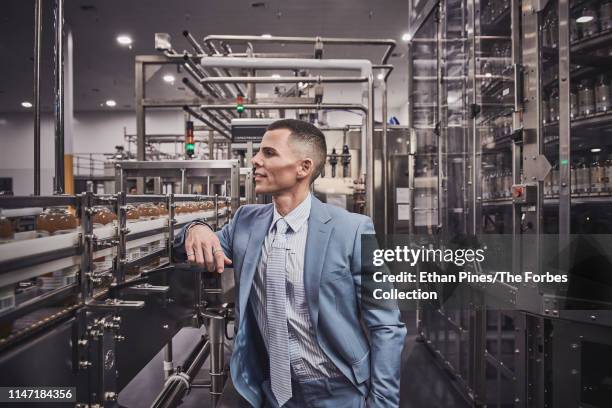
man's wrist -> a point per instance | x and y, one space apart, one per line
197 222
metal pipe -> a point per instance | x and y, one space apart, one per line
37 35
201 95
226 90
168 366
59 97
369 148
365 66
207 122
195 72
193 42
213 50
215 331
316 106
176 386
193 88
281 80
306 40
388 68
384 154
216 119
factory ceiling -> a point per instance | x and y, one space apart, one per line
104 70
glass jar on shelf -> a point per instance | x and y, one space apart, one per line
555 179
586 98
56 220
548 185
545 108
132 213
602 94
574 31
102 216
574 110
553 104
587 21
163 210
605 15
583 177
607 181
7 232
597 176
148 211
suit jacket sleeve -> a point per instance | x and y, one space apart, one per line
386 336
225 235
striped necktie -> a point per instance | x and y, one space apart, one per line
276 308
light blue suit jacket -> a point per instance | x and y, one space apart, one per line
364 344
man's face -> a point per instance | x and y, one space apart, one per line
277 167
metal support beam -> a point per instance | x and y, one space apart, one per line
304 40
564 124
59 97
37 54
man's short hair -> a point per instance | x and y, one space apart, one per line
308 136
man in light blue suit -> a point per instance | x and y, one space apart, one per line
303 338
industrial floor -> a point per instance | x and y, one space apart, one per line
424 384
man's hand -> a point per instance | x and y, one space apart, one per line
202 247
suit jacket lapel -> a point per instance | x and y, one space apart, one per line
258 233
319 232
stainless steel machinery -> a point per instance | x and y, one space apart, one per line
89 282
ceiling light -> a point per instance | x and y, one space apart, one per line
275 76
406 37
110 103
266 36
381 76
584 19
595 150
169 78
124 40
26 104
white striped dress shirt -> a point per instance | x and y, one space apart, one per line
308 362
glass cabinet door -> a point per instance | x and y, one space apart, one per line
423 94
454 120
492 112
590 38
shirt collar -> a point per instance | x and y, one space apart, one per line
297 217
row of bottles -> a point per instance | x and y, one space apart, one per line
494 9
496 184
588 98
587 177
592 19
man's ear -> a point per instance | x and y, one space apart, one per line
305 168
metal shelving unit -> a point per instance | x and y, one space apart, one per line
518 122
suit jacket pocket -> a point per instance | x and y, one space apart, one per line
336 274
361 368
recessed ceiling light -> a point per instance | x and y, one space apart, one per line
26 104
169 78
275 76
266 35
585 19
124 39
406 37
595 150
110 103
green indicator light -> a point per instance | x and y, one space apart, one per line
564 162
190 146
239 108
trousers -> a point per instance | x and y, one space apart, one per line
325 393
